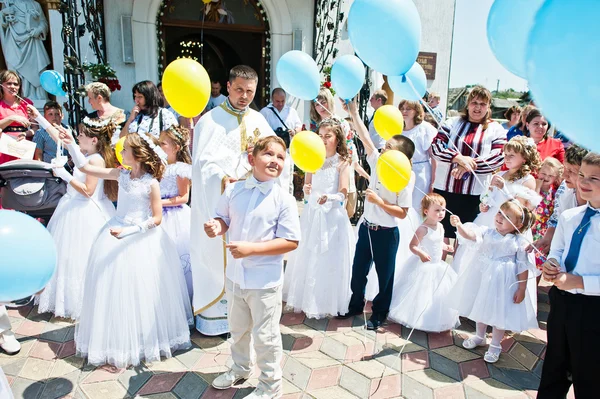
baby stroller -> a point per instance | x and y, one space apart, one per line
30 187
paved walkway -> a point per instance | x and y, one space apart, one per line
323 359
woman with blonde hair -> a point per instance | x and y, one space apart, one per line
98 95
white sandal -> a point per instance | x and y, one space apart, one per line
492 357
473 342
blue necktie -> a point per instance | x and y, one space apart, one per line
577 239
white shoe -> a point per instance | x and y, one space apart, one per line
9 343
227 380
260 394
473 342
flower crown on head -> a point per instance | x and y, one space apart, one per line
530 143
176 133
97 123
157 150
331 120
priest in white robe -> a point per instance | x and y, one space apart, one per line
222 138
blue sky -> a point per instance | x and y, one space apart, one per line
472 59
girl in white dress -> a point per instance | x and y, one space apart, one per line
492 288
317 276
135 302
421 298
521 158
78 218
175 194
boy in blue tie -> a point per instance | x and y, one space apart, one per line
573 266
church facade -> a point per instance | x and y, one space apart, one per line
140 37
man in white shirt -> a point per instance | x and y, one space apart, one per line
573 266
378 99
216 98
262 221
378 235
280 116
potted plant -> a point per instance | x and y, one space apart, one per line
103 73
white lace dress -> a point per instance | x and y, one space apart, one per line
177 219
317 276
420 299
135 301
488 281
74 226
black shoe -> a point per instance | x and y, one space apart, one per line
351 313
373 323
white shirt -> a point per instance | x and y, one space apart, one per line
378 141
288 114
565 198
214 102
422 136
375 214
153 125
588 263
256 217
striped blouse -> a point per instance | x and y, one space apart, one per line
458 136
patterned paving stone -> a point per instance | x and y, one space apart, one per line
290 319
431 378
413 389
170 365
355 382
134 378
191 386
324 378
439 340
316 359
25 389
30 328
474 368
506 361
67 349
57 388
296 373
189 357
418 337
307 344
494 389
454 391
334 349
523 356
372 369
104 373
456 354
386 387
538 368
444 365
389 358
14 367
317 324
212 393
66 366
56 332
415 361
525 380
45 350
332 393
534 348
104 390
339 325
36 369
160 383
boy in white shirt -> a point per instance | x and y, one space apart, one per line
262 221
378 235
573 267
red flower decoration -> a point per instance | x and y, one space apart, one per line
327 85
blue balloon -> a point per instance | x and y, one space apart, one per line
508 25
298 75
28 256
386 34
347 76
401 85
562 67
52 82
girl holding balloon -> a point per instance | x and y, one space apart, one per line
135 302
317 277
80 215
175 194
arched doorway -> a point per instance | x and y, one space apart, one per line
220 35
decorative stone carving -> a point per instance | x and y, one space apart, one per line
23 29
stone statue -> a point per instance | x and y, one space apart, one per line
23 29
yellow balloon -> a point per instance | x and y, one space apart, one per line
393 170
118 149
308 151
388 121
206 1
186 85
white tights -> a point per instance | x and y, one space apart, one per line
497 336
